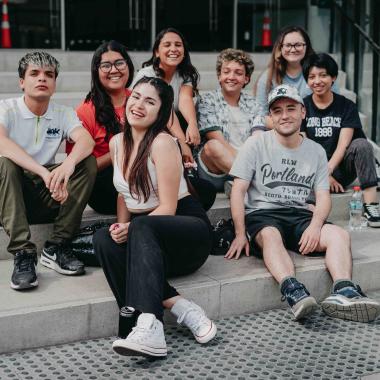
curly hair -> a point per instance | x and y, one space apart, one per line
239 56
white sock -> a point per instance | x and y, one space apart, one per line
180 307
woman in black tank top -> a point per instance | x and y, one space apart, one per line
142 249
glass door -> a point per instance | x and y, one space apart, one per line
127 21
206 24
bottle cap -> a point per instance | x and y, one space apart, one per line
356 188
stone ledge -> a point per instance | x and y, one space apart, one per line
65 309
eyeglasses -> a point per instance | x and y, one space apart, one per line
297 46
120 65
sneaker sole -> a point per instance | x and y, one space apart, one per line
304 308
124 348
373 224
53 265
24 286
357 312
207 337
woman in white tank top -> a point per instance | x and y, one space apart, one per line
161 229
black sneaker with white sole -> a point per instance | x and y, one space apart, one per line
372 214
298 297
24 273
60 258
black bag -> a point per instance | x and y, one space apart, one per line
82 247
223 236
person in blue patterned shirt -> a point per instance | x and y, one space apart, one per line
227 117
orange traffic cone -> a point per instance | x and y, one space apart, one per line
266 40
5 31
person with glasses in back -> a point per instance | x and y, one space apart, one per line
290 50
103 115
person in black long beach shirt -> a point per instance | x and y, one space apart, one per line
333 121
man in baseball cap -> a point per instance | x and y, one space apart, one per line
284 91
275 172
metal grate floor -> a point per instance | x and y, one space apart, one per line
266 345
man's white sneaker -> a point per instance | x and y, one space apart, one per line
194 317
146 339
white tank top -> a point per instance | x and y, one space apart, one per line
122 186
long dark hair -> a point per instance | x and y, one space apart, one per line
139 181
185 69
277 64
105 113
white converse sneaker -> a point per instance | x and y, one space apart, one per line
194 317
146 338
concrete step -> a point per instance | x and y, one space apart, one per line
80 81
66 309
69 99
221 209
81 60
41 232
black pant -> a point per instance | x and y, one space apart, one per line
358 161
158 247
104 195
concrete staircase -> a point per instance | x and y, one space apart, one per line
74 79
65 309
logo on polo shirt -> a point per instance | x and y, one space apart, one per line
53 133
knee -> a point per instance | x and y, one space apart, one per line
213 149
140 226
362 145
269 235
338 235
8 167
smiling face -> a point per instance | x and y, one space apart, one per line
116 79
320 81
232 77
170 50
293 47
39 82
143 106
287 115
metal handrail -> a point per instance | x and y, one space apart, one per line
358 31
374 45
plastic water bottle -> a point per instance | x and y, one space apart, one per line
356 209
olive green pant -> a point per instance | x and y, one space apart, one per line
24 199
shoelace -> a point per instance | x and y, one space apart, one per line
67 254
194 322
220 223
25 263
138 332
358 290
294 291
373 210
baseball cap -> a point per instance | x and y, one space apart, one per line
284 91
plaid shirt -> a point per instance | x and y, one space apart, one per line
213 114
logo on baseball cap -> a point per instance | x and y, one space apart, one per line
284 91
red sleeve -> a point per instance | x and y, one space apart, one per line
86 114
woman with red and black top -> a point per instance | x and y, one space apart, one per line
103 115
